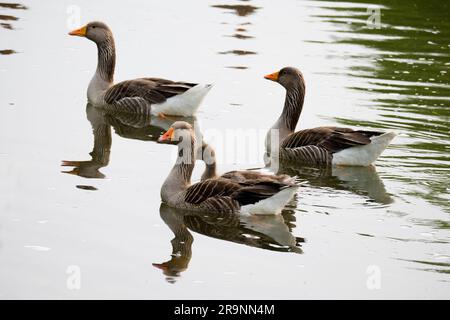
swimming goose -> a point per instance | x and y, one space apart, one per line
240 176
217 195
143 95
322 145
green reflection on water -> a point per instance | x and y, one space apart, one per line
405 75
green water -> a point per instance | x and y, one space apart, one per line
408 82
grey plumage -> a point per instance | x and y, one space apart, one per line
138 95
132 96
309 146
219 195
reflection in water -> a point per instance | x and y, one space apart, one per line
138 127
240 36
238 52
394 76
238 68
265 232
7 17
241 10
360 180
6 25
131 126
102 147
12 6
433 266
402 70
84 187
240 32
7 51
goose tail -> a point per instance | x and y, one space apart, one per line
272 205
185 104
364 155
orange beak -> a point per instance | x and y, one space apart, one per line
161 266
166 136
272 76
79 32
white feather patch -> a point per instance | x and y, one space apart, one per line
185 104
272 205
363 155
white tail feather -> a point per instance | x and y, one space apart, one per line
364 155
272 205
185 104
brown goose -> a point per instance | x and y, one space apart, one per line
143 95
322 145
240 176
217 195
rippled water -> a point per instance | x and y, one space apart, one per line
80 187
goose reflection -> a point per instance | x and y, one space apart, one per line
265 232
363 181
101 151
130 126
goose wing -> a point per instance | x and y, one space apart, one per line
258 191
211 188
331 139
253 177
219 189
152 90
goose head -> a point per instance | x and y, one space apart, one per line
95 31
179 131
288 77
182 134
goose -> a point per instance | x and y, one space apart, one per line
321 145
240 176
217 195
144 95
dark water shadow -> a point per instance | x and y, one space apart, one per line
265 232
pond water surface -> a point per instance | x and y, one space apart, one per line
79 188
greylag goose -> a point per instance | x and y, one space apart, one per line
144 95
217 195
240 176
321 145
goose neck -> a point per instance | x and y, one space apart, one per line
106 59
180 176
293 106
